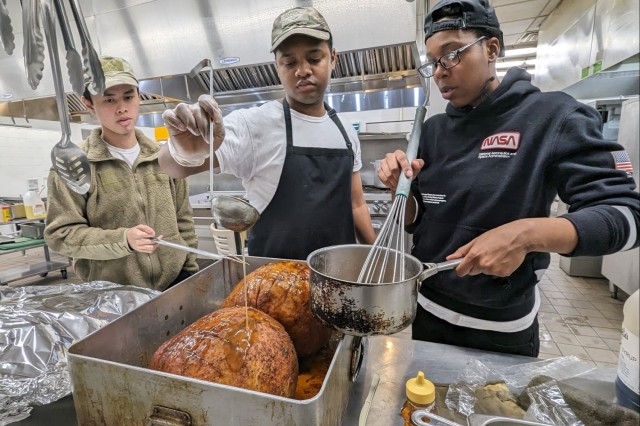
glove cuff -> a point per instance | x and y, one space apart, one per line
185 162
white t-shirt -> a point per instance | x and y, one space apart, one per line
255 146
129 155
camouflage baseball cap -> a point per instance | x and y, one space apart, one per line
299 20
116 71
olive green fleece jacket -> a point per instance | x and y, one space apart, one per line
91 228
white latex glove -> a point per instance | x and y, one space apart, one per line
189 130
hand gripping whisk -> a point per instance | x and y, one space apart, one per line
386 259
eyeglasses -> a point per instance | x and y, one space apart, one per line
447 61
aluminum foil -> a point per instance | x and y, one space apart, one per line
37 326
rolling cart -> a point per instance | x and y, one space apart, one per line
22 244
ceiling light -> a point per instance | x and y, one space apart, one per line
7 95
520 52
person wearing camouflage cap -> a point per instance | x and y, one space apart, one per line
299 20
109 231
487 173
298 160
116 71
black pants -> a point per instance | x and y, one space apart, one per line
183 275
433 329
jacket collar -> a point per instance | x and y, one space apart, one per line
96 147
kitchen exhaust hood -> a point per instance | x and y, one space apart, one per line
590 49
378 43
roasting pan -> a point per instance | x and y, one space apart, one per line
112 384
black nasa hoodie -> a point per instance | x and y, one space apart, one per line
506 160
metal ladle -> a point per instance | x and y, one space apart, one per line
233 213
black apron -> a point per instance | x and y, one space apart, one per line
312 204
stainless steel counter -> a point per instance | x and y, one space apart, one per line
395 360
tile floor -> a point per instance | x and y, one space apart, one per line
577 315
22 260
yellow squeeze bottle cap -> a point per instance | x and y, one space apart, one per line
420 390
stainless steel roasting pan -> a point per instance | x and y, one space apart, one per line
112 384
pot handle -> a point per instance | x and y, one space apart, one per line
433 268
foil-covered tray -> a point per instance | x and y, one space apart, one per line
112 384
37 326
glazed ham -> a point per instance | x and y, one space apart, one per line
281 289
217 348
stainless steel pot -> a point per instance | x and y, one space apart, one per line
365 309
376 180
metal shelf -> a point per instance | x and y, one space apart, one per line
39 268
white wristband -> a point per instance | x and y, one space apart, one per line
185 162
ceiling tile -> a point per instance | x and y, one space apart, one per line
521 10
521 17
511 39
551 5
535 25
516 27
499 3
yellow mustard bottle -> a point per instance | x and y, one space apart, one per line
421 395
6 213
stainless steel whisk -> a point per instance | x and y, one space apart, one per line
386 259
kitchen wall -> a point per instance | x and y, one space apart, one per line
395 120
25 153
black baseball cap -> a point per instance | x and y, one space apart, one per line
474 14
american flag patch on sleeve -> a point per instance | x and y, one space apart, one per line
623 162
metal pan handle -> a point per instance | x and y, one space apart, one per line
433 268
434 420
473 420
484 419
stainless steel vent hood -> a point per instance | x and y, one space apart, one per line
379 45
621 80
589 49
